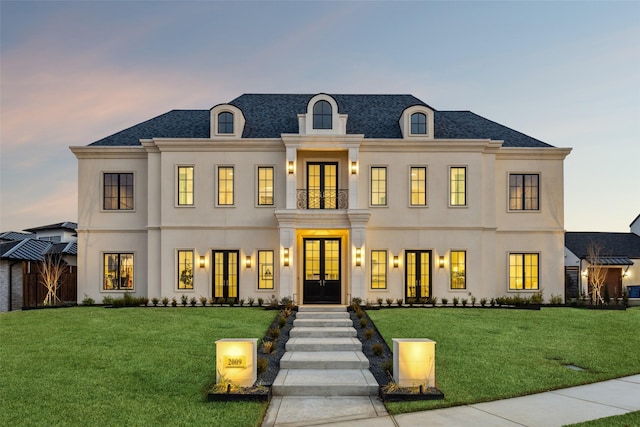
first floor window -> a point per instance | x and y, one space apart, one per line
458 186
524 193
419 186
185 269
185 185
378 186
118 271
117 191
378 269
265 185
225 185
458 266
265 269
523 271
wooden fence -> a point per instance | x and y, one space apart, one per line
34 291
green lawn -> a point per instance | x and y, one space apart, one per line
127 366
631 419
484 354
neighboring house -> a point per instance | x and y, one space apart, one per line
618 252
20 257
320 198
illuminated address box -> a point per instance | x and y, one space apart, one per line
236 360
414 362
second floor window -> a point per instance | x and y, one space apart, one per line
225 185
419 186
458 186
185 185
117 191
524 192
225 122
322 114
378 186
265 185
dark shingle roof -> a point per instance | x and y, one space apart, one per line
24 250
626 245
16 235
67 225
270 115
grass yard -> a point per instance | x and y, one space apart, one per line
487 354
126 366
631 419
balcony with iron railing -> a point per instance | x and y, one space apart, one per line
328 199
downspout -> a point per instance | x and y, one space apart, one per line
11 284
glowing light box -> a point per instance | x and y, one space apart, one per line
236 360
414 362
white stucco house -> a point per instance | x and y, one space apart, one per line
320 198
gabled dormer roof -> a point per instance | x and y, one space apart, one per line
271 115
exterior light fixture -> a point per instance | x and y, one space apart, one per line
285 259
247 261
354 168
396 262
414 361
290 167
358 257
441 261
201 263
236 360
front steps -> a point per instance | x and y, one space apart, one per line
324 357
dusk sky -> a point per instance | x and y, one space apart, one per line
567 73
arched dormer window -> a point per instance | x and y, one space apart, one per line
322 115
417 121
225 122
418 124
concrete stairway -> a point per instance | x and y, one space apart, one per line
324 357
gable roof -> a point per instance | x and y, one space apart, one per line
270 115
67 225
24 250
622 245
16 235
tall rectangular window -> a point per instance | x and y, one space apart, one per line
265 269
265 185
118 271
378 186
458 264
225 185
185 185
418 186
378 269
523 271
117 191
524 192
458 186
185 269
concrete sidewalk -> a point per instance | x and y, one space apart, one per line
553 408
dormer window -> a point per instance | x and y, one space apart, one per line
418 124
225 122
322 114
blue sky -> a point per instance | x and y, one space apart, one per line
567 73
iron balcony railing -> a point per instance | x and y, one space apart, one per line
316 199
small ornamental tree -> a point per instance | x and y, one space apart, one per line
51 269
597 272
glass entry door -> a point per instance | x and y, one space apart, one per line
322 186
322 282
418 274
225 274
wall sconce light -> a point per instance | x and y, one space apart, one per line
290 167
247 261
201 263
396 262
441 261
354 168
358 257
285 259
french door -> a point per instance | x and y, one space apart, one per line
418 274
322 185
322 278
225 274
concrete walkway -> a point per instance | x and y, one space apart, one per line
553 408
